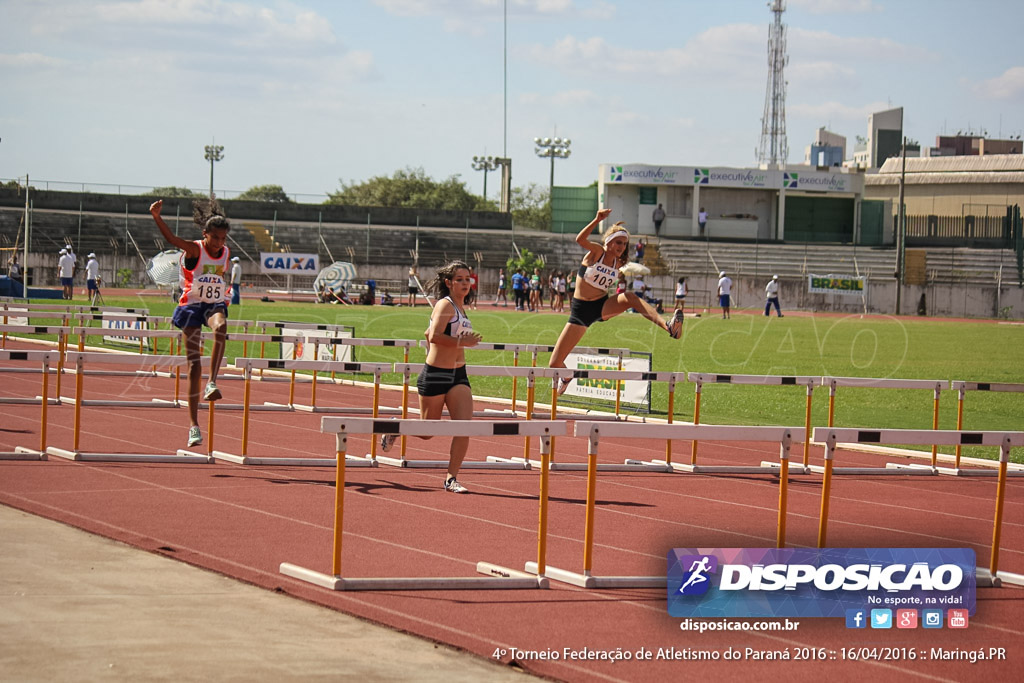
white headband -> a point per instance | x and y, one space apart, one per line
612 235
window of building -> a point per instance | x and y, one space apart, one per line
647 195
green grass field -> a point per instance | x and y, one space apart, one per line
848 346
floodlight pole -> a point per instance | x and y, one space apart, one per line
213 153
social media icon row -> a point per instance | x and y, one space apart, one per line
905 618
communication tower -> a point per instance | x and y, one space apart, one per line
774 150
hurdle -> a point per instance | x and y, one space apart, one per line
249 364
497 577
46 358
84 332
784 436
492 462
536 349
832 437
962 387
61 333
875 383
701 378
78 359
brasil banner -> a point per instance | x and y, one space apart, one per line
837 284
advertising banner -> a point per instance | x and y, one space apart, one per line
873 583
274 263
306 349
853 285
114 324
604 389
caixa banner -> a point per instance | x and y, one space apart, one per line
276 263
825 582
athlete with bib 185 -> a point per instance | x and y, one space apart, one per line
204 298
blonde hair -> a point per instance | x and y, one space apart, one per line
615 230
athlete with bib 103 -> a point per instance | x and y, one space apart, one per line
591 303
204 299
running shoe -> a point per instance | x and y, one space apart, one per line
387 441
195 437
212 393
675 325
563 384
452 485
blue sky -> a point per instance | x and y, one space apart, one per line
306 93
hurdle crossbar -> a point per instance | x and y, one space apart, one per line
247 365
962 387
809 381
78 359
784 436
833 437
496 577
936 386
46 359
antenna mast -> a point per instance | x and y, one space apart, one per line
774 150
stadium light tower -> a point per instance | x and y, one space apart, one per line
485 164
555 148
213 153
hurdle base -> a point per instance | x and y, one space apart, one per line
346 411
793 469
984 578
714 469
338 583
488 464
591 581
287 462
1007 577
956 472
876 471
82 456
23 453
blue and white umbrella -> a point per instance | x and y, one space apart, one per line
338 274
163 269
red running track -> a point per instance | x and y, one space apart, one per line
243 521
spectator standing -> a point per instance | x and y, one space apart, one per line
236 281
414 287
658 217
639 250
66 273
519 288
702 220
681 292
474 283
502 294
771 293
724 294
92 277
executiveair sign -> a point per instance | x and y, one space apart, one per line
753 178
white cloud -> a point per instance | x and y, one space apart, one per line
736 50
823 44
1008 86
836 112
836 6
596 9
24 61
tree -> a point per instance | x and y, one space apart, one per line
410 188
265 193
531 207
172 191
526 260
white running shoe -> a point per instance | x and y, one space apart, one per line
675 325
387 441
563 384
195 437
452 485
212 393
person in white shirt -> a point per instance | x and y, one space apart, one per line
702 220
236 281
66 273
771 292
724 292
681 292
92 277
